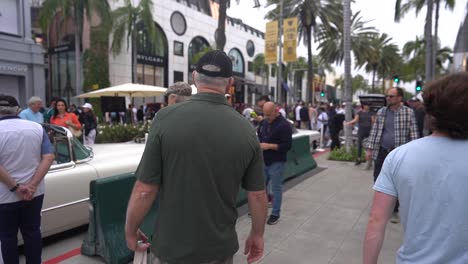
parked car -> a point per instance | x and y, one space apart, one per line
67 182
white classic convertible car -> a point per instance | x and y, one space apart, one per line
67 182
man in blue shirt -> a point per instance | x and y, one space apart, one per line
32 113
275 135
429 178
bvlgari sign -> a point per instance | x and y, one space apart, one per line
13 68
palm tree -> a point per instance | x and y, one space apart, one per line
384 57
347 45
220 34
402 9
261 69
130 21
414 55
331 40
311 14
76 12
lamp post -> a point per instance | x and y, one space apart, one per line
279 91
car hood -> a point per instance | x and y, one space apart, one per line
116 158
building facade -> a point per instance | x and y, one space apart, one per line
460 51
22 73
185 29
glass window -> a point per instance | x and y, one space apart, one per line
80 151
237 61
197 47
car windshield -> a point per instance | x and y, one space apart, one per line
59 140
81 152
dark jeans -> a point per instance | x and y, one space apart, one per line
378 167
362 134
335 137
25 216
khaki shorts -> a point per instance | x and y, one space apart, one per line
229 260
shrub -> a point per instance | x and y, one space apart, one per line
340 154
116 133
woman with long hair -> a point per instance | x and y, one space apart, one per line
65 119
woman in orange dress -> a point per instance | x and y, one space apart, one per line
63 118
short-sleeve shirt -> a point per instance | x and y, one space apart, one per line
199 152
27 114
429 177
22 144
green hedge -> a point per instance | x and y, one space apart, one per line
340 154
121 133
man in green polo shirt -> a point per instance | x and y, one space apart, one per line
198 154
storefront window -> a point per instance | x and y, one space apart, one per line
197 47
152 59
237 62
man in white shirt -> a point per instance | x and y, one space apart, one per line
298 113
25 157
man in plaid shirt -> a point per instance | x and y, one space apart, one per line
394 126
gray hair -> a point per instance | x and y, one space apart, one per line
180 88
9 110
213 82
34 99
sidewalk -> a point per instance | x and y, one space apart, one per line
323 220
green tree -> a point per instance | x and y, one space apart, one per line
383 58
331 40
128 22
347 47
310 14
76 12
261 69
414 53
402 8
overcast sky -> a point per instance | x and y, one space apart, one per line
380 13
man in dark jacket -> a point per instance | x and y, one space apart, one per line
275 135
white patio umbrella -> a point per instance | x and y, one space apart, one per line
128 89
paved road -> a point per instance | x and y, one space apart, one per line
323 221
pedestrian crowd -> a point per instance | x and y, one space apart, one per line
195 168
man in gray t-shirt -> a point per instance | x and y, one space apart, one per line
429 177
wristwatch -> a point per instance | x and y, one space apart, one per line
14 188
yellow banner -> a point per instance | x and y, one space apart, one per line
290 39
271 42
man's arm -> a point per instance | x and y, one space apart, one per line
141 200
284 145
414 133
254 246
258 209
42 169
6 179
381 211
373 135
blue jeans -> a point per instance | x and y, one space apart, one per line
25 216
274 176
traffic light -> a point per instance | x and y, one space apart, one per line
418 86
396 79
322 93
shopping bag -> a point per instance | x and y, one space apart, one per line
140 258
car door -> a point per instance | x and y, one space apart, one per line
67 187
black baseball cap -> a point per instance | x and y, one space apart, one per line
8 101
215 63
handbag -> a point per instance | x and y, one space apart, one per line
140 258
75 132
